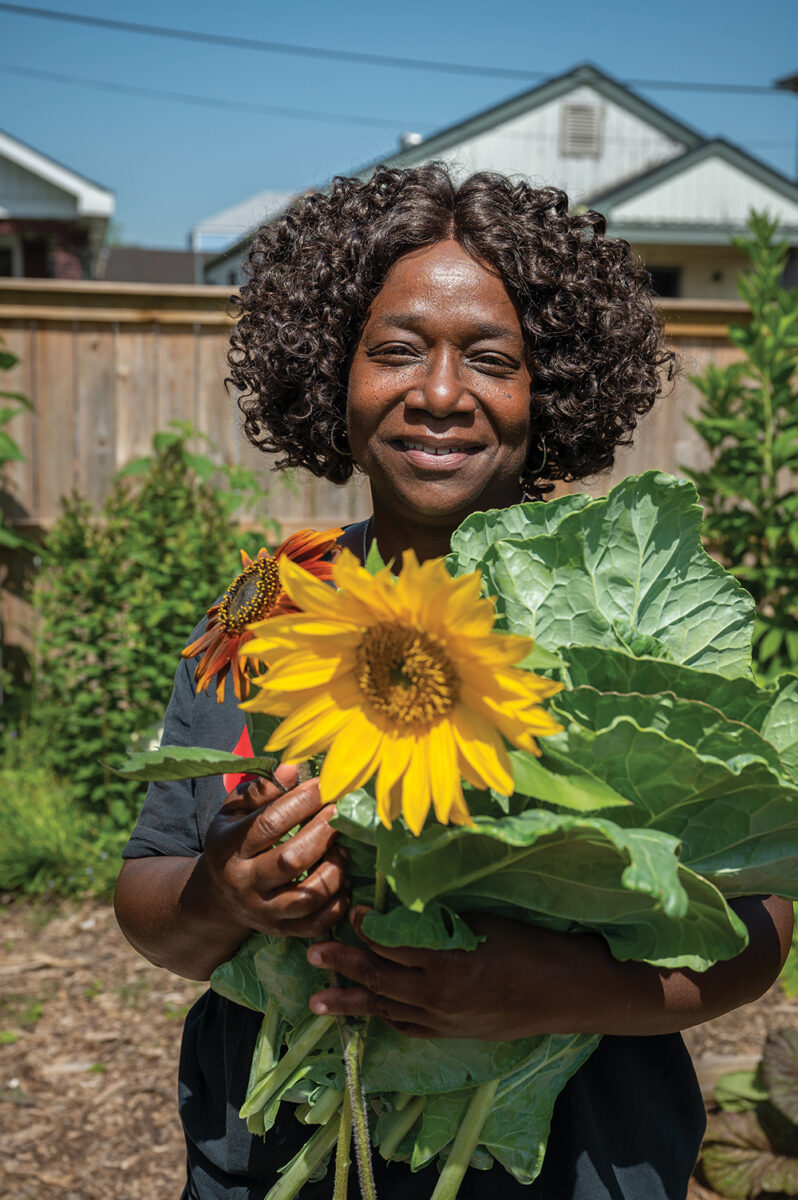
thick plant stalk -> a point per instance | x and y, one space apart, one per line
342 1149
466 1141
290 1062
305 1162
403 1122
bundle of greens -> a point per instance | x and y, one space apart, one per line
671 787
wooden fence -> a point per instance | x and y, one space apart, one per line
106 365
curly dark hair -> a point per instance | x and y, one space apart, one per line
594 340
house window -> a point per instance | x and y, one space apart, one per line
666 281
581 127
10 256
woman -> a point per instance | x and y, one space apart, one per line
458 346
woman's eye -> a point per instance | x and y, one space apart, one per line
493 364
393 352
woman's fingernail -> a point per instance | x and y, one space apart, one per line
318 1006
314 957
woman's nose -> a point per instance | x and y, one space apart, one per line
443 389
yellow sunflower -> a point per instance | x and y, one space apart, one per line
254 595
403 677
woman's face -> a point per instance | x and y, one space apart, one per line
439 391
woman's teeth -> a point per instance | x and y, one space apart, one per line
428 449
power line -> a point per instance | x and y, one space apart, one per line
241 43
380 60
131 89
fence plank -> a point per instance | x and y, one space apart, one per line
96 410
136 392
55 474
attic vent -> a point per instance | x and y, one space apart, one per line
580 130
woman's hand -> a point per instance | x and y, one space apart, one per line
511 986
255 876
524 980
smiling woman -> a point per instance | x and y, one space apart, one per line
462 347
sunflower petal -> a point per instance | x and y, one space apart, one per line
415 789
352 759
480 746
395 757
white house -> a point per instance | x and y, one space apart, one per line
677 196
52 221
225 235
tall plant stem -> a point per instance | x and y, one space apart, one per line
466 1141
353 1039
342 1158
305 1162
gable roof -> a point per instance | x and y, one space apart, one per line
714 148
92 200
552 89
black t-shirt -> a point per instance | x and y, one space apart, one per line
627 1126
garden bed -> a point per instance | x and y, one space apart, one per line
89 1037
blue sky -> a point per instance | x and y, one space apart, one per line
171 164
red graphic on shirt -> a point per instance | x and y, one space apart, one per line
243 748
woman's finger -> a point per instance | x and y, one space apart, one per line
361 1002
255 791
298 900
267 825
383 978
315 926
408 956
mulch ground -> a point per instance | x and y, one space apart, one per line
89 1037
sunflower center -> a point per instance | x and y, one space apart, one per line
406 673
251 596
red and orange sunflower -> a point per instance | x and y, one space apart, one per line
254 595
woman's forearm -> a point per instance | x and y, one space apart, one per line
165 908
641 999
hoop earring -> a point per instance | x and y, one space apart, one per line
344 452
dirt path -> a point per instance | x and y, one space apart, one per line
89 1036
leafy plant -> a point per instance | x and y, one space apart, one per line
750 1148
120 591
749 422
788 980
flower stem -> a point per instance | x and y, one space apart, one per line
353 1038
380 891
402 1123
290 1062
342 1151
305 1162
466 1141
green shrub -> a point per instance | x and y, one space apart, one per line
749 422
118 594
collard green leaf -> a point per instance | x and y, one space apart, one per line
238 980
517 1127
436 928
579 867
633 558
482 529
189 762
738 824
781 724
440 1122
780 1071
286 975
581 793
701 726
424 1066
609 670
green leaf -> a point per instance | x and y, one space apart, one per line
582 793
480 530
436 928
633 561
780 725
189 762
374 560
739 1091
238 980
440 1121
517 1127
